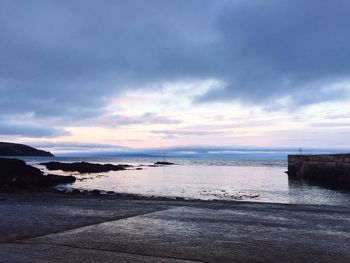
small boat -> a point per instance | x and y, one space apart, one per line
163 162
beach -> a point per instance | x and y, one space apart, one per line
49 227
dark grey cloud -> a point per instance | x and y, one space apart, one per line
29 130
77 147
66 59
280 48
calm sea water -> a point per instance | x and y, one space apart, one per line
229 179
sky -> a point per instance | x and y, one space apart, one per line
120 75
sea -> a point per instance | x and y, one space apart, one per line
258 179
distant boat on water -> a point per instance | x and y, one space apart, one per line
163 162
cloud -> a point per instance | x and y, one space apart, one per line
78 149
30 130
186 132
69 146
294 49
147 118
67 59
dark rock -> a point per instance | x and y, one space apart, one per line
76 191
42 181
96 192
16 174
10 169
84 167
110 192
164 163
15 149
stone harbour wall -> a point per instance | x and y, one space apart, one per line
329 169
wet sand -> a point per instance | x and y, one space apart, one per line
51 227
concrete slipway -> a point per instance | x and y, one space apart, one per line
56 228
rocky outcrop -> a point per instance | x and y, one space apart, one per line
163 163
84 167
327 169
16 174
15 149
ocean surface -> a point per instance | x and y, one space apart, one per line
203 178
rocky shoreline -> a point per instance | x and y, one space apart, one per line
16 175
85 167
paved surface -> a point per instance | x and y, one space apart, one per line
103 230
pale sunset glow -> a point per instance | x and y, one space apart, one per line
169 118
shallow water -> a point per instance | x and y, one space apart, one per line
229 179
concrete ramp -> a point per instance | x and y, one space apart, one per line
208 233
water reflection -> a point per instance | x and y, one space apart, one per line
303 191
